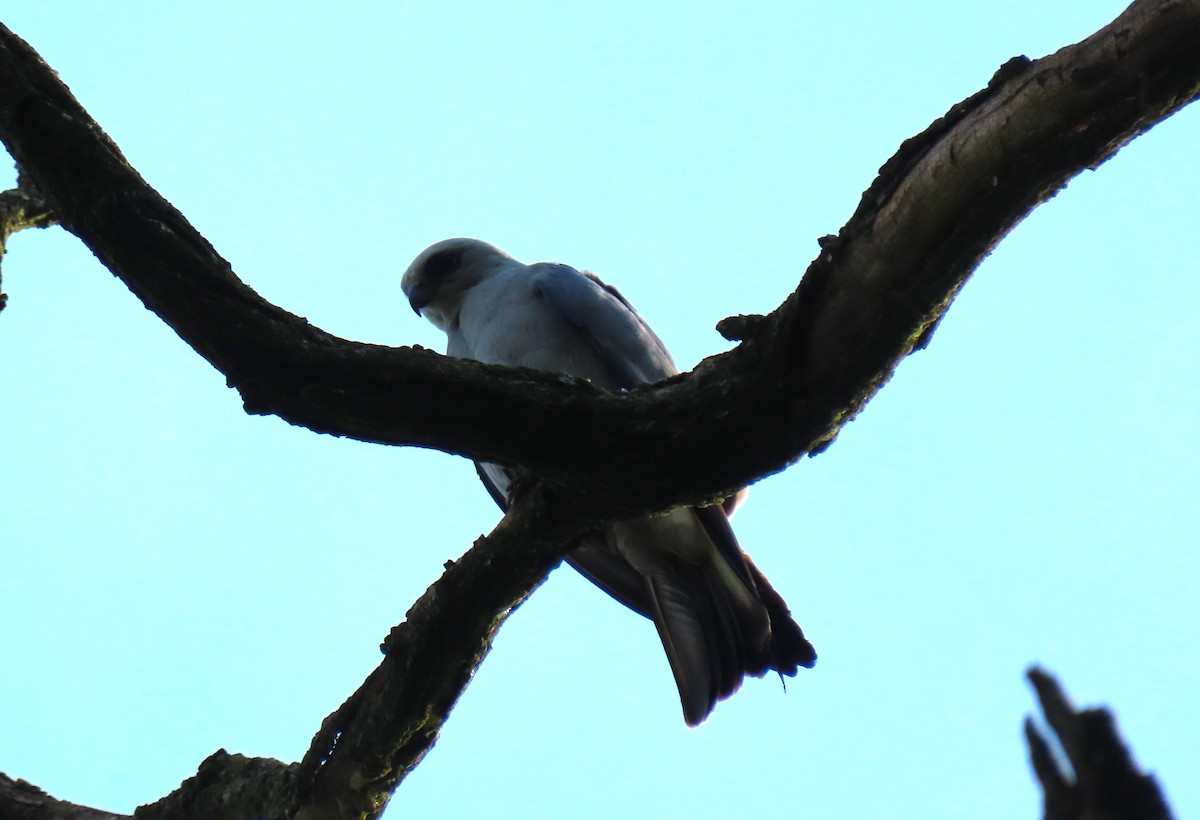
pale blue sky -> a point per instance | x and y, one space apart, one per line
180 577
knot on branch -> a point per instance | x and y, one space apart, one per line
742 327
229 786
20 208
23 207
1014 67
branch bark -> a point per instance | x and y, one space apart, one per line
21 208
1101 781
875 293
383 731
20 800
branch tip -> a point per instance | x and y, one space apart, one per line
1098 777
742 327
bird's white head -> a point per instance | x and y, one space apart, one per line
438 279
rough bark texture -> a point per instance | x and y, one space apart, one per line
875 293
21 208
231 787
20 800
1102 782
384 730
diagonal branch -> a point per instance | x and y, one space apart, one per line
875 292
365 748
388 725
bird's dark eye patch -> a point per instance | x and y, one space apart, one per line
442 264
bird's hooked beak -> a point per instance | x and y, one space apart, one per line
420 295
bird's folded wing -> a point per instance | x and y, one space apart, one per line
631 350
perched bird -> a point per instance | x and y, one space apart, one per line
718 617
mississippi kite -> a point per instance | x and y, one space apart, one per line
718 617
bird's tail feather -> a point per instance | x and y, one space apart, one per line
712 642
686 641
789 648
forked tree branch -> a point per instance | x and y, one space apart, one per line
1098 779
875 293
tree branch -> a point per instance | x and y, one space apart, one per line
1101 781
872 296
365 748
24 801
20 208
936 210
231 787
383 731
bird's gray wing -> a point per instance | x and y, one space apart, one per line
591 557
633 354
629 348
716 525
628 345
495 492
